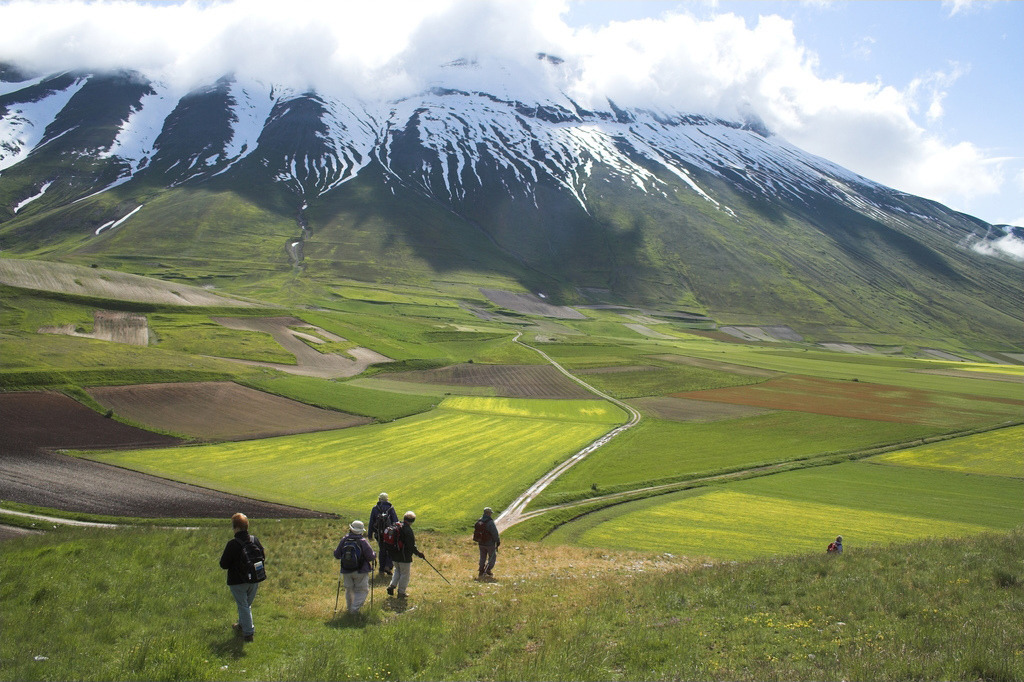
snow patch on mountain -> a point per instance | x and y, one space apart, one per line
251 107
25 202
7 87
135 141
114 223
24 124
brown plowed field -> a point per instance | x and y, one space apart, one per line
34 421
508 381
219 410
861 401
688 410
717 365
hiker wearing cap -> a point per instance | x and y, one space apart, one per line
485 535
402 556
356 557
243 558
382 515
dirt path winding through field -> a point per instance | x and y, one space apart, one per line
309 361
514 513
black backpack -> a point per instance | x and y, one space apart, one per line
351 554
481 534
252 561
380 524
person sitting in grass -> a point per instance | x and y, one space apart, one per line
837 546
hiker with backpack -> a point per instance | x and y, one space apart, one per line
401 542
243 558
485 535
382 515
356 557
836 547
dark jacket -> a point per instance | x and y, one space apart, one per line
492 528
234 560
408 541
382 515
366 564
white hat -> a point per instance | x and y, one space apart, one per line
410 515
383 496
357 527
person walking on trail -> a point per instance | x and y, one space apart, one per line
485 535
837 546
402 556
356 557
382 515
243 558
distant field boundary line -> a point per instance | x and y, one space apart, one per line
58 520
84 524
757 471
513 514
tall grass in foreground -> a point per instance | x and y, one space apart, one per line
151 604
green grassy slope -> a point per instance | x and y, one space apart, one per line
825 270
151 604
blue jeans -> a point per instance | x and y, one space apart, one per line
244 594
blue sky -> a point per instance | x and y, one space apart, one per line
926 97
962 64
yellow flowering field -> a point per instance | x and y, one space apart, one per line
446 464
995 453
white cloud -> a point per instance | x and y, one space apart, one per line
955 7
1008 245
676 62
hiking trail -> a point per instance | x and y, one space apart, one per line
514 513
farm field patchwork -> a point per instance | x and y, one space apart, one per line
638 381
995 453
446 465
57 352
201 336
220 410
513 381
866 401
691 410
344 396
801 511
876 369
657 450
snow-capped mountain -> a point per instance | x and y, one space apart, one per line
545 179
313 143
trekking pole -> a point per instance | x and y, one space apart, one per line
337 596
438 572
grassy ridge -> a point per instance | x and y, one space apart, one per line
931 610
